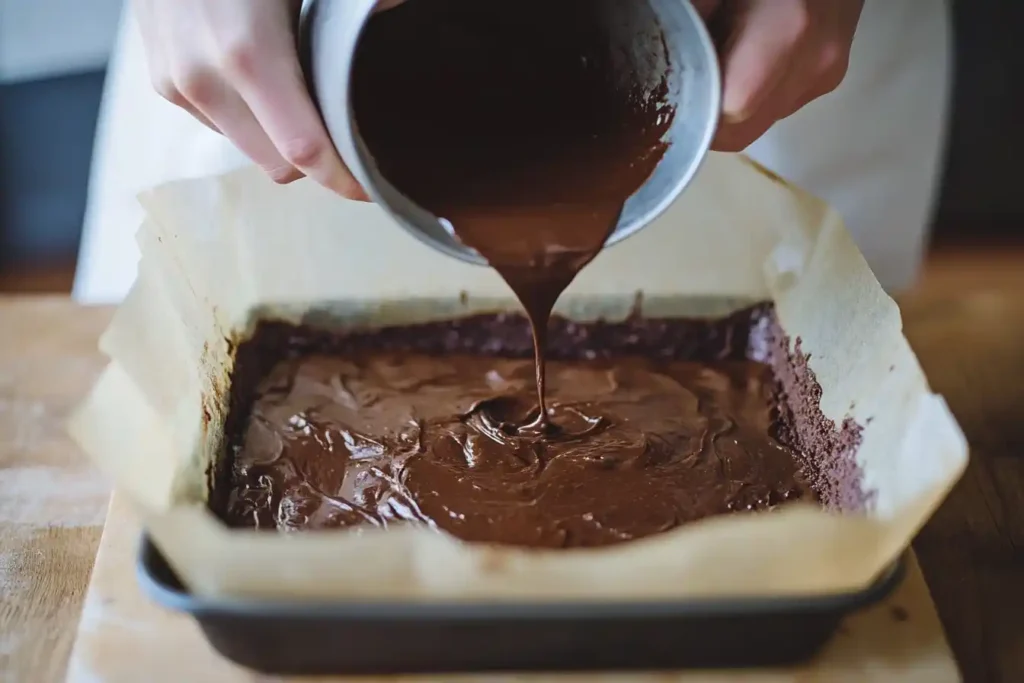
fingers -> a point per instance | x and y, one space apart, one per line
767 37
159 70
198 86
786 97
279 101
268 77
781 54
223 104
233 65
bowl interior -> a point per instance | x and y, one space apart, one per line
650 40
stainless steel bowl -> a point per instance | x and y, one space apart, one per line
329 34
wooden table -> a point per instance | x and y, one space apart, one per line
966 322
52 503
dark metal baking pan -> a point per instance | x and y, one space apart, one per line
352 638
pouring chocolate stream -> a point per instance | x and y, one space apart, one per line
507 120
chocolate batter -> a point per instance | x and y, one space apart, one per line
384 438
509 121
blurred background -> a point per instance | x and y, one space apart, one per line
51 80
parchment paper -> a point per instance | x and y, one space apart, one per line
219 253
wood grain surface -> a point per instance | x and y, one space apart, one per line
52 502
965 321
966 324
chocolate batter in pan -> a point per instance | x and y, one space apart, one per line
662 422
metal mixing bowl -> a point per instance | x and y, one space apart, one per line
329 34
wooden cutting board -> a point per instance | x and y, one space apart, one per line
123 638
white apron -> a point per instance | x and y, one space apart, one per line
873 148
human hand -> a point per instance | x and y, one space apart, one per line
777 55
233 65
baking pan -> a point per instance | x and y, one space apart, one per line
351 638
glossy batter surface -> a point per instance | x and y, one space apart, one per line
637 447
